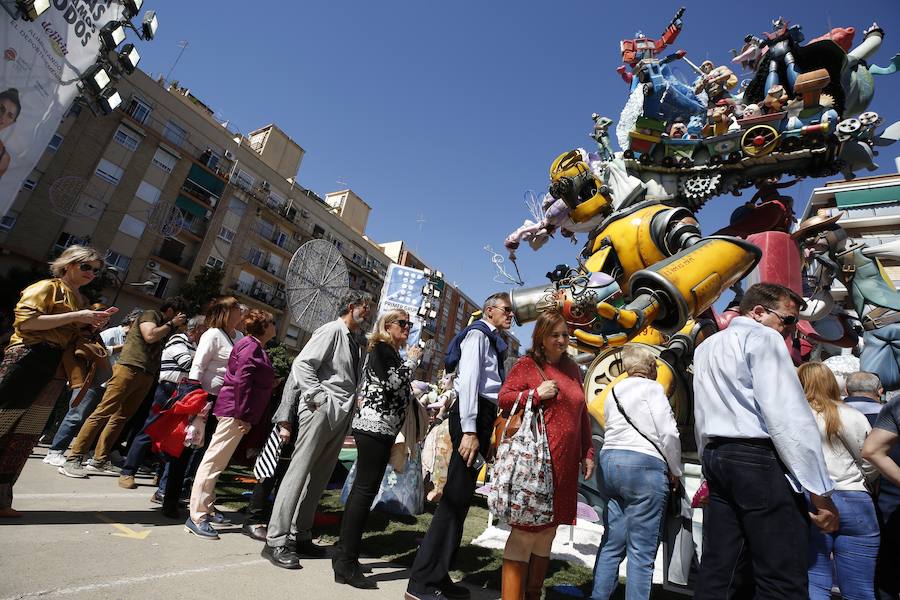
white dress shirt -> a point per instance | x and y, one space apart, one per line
746 386
478 374
646 404
211 359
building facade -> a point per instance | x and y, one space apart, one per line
165 190
454 309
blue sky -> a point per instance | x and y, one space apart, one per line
452 110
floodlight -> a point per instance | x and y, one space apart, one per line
426 291
149 24
427 272
109 100
129 58
112 34
132 7
96 78
432 314
32 9
436 293
438 274
422 311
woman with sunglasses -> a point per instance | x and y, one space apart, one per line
386 394
48 318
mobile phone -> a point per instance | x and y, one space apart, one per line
478 462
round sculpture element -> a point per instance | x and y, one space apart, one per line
317 278
72 196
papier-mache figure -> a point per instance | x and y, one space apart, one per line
641 47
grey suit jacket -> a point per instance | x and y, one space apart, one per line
324 377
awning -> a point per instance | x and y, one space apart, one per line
880 195
185 203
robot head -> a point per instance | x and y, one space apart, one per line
573 182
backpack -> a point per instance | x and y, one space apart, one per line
454 350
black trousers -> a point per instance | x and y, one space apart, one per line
887 577
373 454
441 542
259 511
756 528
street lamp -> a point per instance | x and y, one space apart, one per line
120 278
112 34
149 24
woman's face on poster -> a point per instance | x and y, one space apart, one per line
8 113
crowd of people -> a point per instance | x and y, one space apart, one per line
801 469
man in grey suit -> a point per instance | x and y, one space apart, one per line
321 389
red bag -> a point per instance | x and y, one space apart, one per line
167 431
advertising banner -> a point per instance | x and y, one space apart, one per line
43 61
403 290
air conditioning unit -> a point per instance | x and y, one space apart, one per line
265 185
229 155
152 264
304 213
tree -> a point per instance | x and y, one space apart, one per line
206 285
281 359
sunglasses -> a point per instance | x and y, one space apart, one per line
84 268
506 309
403 323
785 320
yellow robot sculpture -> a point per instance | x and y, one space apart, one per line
646 274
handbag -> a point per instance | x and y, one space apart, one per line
512 424
522 475
676 491
268 458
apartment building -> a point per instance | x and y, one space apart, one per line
454 308
167 189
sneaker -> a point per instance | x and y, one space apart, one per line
127 482
115 457
218 518
55 458
156 498
432 594
202 530
454 591
73 468
101 466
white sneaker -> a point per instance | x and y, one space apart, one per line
55 458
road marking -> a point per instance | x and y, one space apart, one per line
126 532
120 582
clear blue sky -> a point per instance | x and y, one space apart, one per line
452 110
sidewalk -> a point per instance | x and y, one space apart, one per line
89 538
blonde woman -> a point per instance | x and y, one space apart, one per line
386 393
850 552
49 315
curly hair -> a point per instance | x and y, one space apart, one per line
256 321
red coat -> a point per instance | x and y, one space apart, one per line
568 428
168 430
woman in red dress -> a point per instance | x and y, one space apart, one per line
556 382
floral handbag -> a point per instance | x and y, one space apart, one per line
522 475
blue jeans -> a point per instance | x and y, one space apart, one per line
636 489
74 419
854 546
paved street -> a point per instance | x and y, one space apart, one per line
92 539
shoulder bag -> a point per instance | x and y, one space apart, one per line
512 424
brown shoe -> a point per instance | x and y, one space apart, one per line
537 571
127 482
513 576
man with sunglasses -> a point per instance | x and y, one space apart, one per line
479 375
761 451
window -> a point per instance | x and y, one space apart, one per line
148 193
292 333
215 263
165 160
139 110
276 199
244 179
318 232
128 138
132 226
160 290
8 221
175 133
55 142
108 172
210 158
226 234
67 239
29 184
114 259
237 207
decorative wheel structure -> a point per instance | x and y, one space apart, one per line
166 219
317 279
869 118
759 140
700 187
848 128
74 196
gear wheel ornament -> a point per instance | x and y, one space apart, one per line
700 188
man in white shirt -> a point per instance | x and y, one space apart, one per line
478 380
761 448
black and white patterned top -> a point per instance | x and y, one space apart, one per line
386 392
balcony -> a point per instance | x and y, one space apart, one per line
262 261
173 252
276 237
264 293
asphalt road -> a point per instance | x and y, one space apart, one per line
88 538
